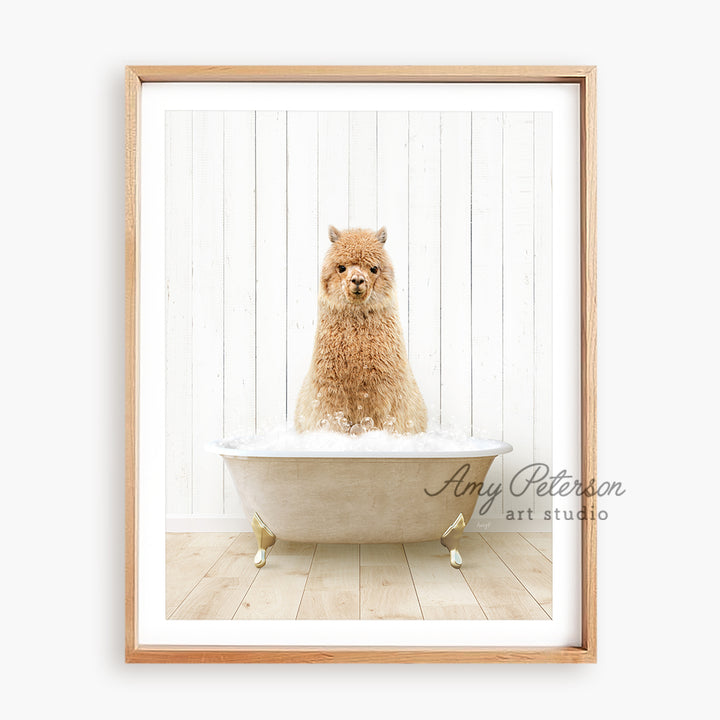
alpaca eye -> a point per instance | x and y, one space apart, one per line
374 270
341 268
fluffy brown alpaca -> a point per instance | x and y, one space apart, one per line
359 366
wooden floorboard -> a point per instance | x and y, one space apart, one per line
527 563
218 595
441 589
237 558
332 591
187 560
505 576
387 591
278 587
542 541
213 598
500 594
175 542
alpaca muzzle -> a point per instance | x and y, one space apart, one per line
357 286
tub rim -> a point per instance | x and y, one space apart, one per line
492 448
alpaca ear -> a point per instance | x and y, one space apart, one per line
333 233
381 235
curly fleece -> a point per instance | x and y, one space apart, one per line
359 367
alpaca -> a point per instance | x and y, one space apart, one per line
359 377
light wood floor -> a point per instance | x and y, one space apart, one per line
505 576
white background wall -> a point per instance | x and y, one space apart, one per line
467 200
61 371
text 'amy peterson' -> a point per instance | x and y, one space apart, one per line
536 476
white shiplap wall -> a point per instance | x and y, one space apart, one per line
466 198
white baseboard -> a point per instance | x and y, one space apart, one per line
239 523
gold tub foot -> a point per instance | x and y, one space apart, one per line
451 540
265 539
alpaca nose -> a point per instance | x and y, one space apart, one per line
357 280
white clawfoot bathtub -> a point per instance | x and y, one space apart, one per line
359 497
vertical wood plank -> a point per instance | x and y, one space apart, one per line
333 169
362 181
518 335
542 204
302 249
455 264
239 284
487 287
271 269
393 199
207 304
424 257
178 312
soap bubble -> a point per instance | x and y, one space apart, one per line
389 424
335 436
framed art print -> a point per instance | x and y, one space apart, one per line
360 355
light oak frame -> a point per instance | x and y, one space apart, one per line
585 78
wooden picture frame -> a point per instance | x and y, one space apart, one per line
582 76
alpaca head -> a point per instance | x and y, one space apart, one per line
357 272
